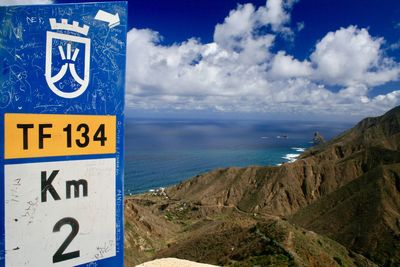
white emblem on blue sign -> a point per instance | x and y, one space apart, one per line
67 59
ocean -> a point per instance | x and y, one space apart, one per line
160 153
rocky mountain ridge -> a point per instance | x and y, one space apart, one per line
319 171
346 190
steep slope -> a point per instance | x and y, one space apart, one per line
321 170
364 215
145 230
272 242
346 189
224 236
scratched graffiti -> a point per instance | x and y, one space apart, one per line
22 63
62 59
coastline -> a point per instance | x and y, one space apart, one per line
166 152
287 158
292 215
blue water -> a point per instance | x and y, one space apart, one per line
160 153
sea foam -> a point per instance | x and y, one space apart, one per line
292 157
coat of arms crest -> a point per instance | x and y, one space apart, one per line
67 58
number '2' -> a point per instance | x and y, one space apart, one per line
60 255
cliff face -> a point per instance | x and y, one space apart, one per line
346 189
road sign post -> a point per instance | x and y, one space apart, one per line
62 79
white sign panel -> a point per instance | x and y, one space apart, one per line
60 213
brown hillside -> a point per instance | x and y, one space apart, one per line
364 215
157 227
346 189
321 170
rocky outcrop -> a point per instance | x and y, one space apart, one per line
318 139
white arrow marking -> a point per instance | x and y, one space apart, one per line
113 20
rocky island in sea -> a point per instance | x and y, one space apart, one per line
338 204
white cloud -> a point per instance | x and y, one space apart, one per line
239 71
274 14
284 66
243 23
236 27
24 2
351 56
390 99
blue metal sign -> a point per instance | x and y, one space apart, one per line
62 79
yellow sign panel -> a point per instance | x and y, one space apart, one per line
46 135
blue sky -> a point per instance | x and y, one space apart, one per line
370 28
179 20
286 59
